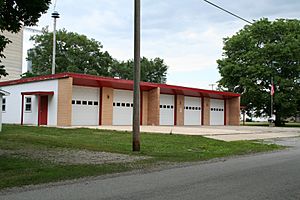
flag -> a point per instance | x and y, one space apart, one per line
272 90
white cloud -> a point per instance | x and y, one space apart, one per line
188 35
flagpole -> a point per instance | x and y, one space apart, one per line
272 88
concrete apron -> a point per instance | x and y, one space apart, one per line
225 133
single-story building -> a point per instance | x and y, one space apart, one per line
69 99
2 101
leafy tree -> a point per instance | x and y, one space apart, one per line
75 53
257 53
17 13
152 70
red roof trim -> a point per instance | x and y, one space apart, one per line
51 93
120 81
34 79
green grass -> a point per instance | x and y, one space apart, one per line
290 124
17 171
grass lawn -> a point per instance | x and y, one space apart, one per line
290 124
16 170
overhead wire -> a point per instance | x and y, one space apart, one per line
227 11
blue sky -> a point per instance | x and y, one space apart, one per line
188 35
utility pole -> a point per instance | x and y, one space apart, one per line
212 86
55 15
136 78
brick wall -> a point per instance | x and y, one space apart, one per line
206 111
107 106
64 102
153 106
180 110
145 108
234 111
227 112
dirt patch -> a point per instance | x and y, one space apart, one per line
67 156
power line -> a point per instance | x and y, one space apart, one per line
33 30
228 11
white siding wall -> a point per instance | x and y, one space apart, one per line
13 102
13 53
83 113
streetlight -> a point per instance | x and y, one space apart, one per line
55 15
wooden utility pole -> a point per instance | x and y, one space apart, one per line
136 78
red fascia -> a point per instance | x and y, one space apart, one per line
120 84
40 93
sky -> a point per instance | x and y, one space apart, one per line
188 34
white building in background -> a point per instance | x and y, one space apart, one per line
13 53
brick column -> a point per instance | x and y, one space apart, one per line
180 110
145 108
206 111
107 106
153 106
234 111
64 102
227 112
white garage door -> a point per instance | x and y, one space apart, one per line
122 107
192 111
166 109
85 106
216 112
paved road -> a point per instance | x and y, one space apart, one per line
273 176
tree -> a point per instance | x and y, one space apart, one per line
255 55
152 70
75 53
17 13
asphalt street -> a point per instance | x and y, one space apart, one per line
273 176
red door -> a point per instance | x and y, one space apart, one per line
43 110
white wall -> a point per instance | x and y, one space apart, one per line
13 53
13 102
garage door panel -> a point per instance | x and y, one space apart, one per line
217 111
85 106
192 111
122 107
166 109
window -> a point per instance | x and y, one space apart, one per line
127 104
28 104
78 102
90 103
3 104
95 103
84 102
73 102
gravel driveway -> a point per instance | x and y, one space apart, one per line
69 157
